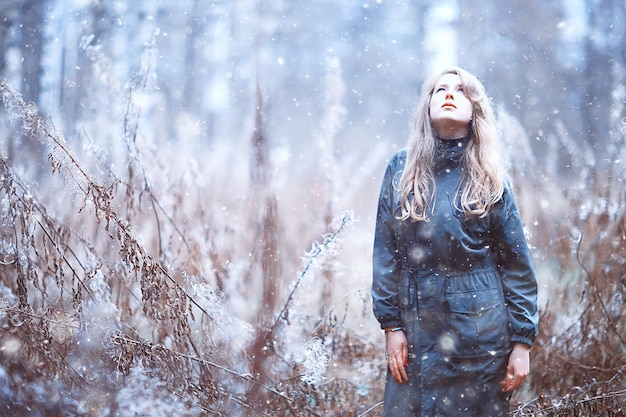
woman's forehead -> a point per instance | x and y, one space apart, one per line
449 79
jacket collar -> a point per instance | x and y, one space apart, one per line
450 151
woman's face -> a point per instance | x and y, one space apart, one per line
450 109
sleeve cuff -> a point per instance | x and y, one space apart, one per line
522 339
384 324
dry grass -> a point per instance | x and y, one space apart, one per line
137 293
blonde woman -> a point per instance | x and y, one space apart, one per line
453 284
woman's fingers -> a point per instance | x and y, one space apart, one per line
398 368
403 375
512 382
393 367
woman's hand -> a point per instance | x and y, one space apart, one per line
397 355
518 368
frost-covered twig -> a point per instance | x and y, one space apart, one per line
318 251
132 116
592 399
118 338
372 408
61 158
596 290
20 202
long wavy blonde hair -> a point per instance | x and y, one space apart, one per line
484 175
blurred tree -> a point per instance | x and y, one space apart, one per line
265 266
7 19
512 47
603 76
264 219
380 48
85 36
28 23
31 24
330 126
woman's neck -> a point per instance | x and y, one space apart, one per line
452 132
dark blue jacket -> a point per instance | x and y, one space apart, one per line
461 288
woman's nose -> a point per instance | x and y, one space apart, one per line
449 94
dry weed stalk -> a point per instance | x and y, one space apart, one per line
164 299
587 247
37 250
70 309
595 399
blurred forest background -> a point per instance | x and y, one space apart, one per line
188 191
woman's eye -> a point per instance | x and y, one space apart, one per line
439 89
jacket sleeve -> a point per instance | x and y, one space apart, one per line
386 262
514 263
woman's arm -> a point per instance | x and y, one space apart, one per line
385 262
518 279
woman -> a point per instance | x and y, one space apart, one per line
453 284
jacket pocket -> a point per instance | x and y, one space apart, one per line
478 323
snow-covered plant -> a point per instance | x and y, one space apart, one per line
316 360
